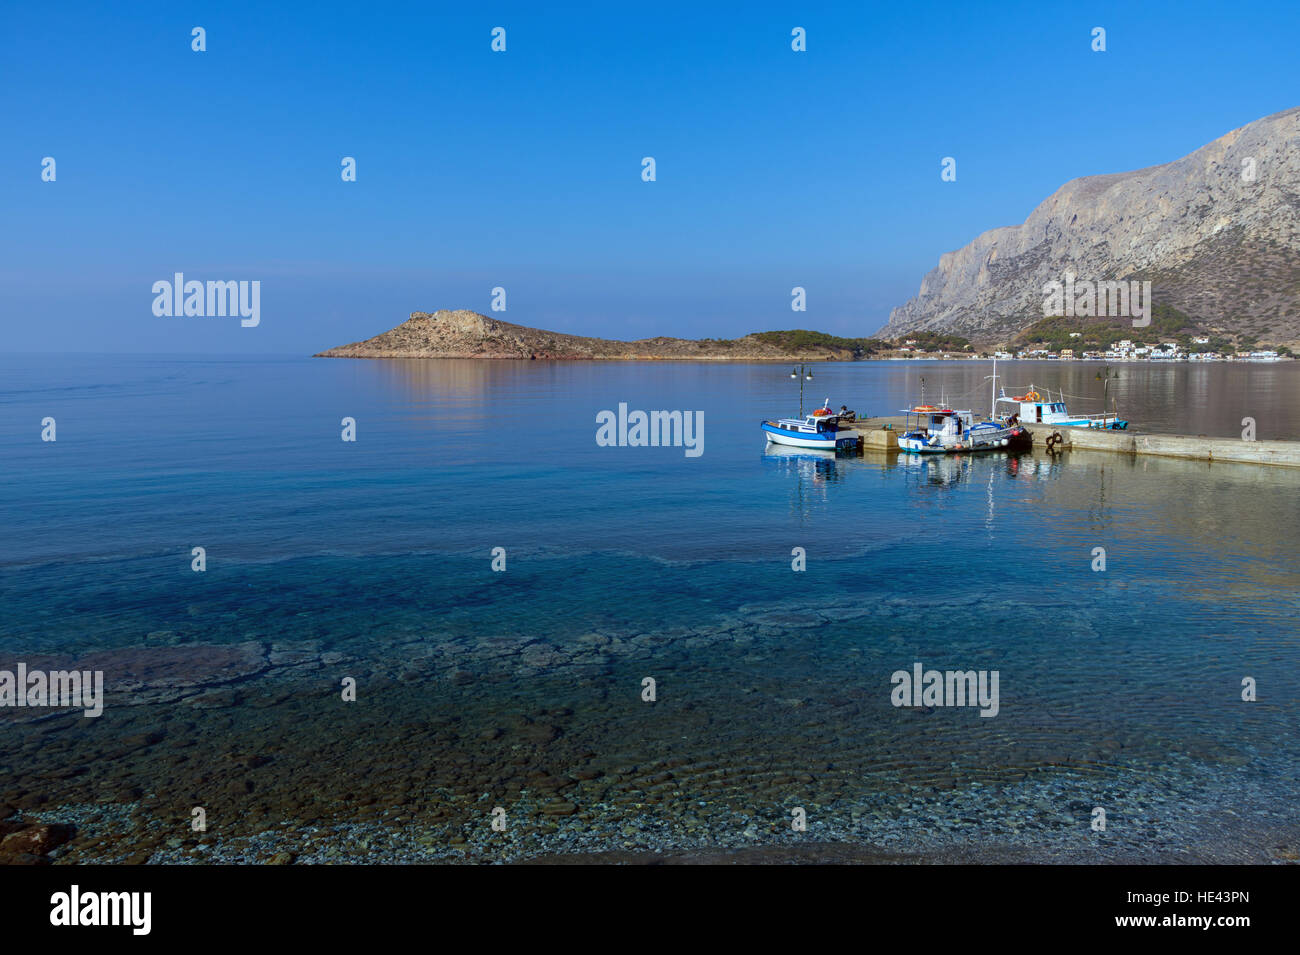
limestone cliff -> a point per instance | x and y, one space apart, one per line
1217 233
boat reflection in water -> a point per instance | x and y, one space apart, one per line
820 467
1032 467
813 471
816 471
943 470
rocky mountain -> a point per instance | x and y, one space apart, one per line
1217 233
465 334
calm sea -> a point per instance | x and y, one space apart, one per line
525 689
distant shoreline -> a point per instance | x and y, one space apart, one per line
468 335
729 360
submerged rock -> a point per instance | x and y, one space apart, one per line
35 840
137 669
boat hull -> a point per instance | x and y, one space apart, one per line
1110 425
831 441
993 439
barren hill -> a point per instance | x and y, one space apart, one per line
465 334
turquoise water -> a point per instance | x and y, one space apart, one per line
1119 688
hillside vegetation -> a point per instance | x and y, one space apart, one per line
1168 324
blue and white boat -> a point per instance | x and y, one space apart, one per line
820 430
934 430
1033 408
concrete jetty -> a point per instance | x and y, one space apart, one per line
878 434
1197 447
881 434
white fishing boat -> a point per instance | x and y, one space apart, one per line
1033 408
931 429
934 430
820 430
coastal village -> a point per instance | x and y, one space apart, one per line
1124 350
1172 336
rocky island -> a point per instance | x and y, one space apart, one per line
465 334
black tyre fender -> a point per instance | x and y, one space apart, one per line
1054 442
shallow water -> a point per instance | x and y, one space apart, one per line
522 689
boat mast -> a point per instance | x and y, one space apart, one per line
993 389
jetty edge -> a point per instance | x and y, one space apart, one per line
881 434
1195 447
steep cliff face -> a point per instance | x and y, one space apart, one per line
1217 233
464 334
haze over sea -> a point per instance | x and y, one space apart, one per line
522 689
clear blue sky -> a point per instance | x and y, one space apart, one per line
523 169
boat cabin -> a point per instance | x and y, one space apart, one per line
1031 408
940 421
812 424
